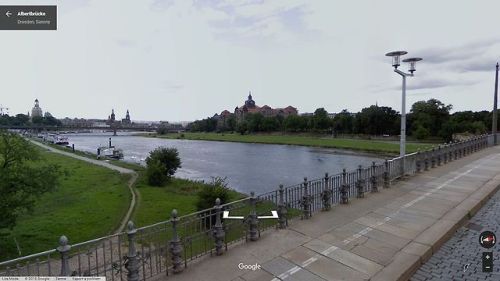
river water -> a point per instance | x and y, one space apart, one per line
248 167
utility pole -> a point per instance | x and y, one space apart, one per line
495 116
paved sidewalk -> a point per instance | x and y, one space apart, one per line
461 257
385 236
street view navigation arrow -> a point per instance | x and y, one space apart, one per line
225 215
8 14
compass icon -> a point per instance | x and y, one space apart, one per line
487 239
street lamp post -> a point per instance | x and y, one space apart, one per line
495 116
395 63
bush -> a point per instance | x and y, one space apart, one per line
162 163
421 133
216 189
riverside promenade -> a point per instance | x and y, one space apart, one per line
386 236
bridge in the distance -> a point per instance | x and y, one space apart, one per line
62 128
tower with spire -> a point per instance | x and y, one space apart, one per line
36 111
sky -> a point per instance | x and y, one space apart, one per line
186 60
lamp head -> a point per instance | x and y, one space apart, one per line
396 57
412 62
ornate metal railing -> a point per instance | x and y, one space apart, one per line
168 247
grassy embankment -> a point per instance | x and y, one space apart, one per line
375 146
89 202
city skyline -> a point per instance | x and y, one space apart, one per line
182 61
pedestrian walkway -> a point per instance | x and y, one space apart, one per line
461 257
386 236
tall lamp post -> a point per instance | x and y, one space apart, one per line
395 63
495 99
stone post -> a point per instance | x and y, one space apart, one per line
326 194
218 231
132 263
374 178
175 244
253 220
306 201
387 181
344 197
282 211
63 250
360 183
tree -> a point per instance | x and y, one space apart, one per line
162 163
377 120
431 114
23 178
343 122
321 121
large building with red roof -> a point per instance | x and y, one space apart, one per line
265 110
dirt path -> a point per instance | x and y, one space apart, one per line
121 170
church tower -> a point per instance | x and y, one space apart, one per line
112 115
250 103
36 111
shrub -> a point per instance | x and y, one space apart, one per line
421 133
216 189
162 163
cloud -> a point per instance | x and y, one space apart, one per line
480 65
126 43
251 21
457 53
433 83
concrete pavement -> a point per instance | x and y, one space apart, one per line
460 258
386 236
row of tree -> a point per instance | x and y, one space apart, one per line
426 119
25 120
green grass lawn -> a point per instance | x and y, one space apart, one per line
376 146
156 203
89 202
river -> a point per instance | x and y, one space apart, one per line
248 167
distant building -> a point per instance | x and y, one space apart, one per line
126 120
36 111
265 110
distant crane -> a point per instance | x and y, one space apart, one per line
4 110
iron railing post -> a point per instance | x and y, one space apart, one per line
306 201
63 249
344 197
374 178
282 211
218 232
387 181
326 194
360 183
252 219
175 244
132 263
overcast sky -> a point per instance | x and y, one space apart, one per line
185 60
